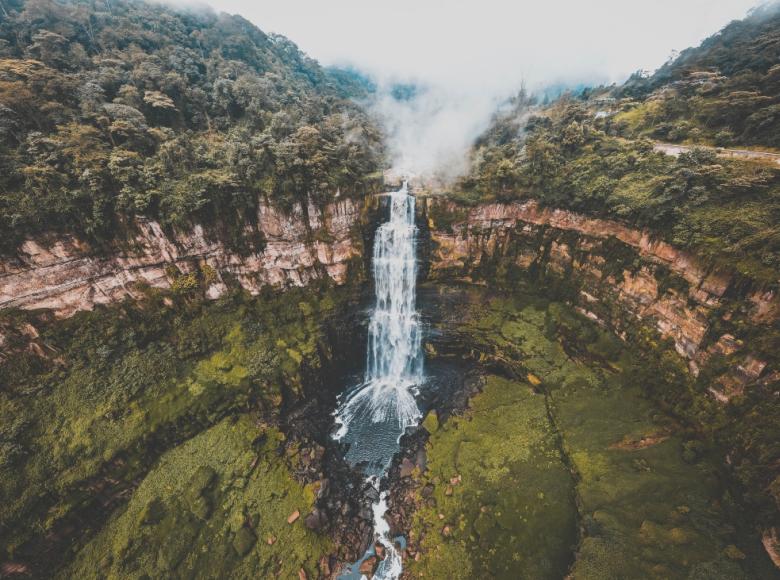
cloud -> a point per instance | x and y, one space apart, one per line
471 54
430 132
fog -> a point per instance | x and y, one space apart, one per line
467 56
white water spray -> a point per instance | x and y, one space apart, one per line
384 404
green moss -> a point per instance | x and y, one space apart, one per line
503 489
253 493
134 379
431 422
646 510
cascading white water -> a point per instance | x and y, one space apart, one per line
384 405
394 359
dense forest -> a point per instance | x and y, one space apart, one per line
111 110
726 91
565 156
592 151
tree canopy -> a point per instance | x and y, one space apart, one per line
110 109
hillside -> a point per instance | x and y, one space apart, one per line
725 91
224 355
112 110
597 157
593 151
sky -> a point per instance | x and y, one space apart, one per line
471 54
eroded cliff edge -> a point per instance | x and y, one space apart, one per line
282 249
622 278
614 274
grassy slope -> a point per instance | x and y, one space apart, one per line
512 511
215 506
132 380
649 511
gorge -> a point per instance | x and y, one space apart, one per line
482 271
233 343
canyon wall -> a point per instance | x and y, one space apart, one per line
621 275
616 275
65 274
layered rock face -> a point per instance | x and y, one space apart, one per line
65 274
619 275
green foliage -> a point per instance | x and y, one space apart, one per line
724 210
135 378
575 152
104 117
209 508
727 90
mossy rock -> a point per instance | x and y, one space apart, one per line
431 422
153 513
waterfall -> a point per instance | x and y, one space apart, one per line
394 357
374 415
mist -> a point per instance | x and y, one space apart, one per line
466 57
429 133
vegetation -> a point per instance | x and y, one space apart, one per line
742 434
119 385
110 110
593 152
620 448
725 210
215 506
506 497
726 91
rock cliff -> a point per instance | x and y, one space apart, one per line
65 274
616 275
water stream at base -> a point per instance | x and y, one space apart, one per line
373 416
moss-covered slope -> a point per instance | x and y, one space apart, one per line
650 503
83 417
216 506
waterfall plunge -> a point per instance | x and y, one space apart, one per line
384 405
394 358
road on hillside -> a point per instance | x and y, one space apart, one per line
675 150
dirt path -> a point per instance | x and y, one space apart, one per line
675 150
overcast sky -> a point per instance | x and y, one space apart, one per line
473 53
492 41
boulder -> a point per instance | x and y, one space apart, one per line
407 467
324 566
379 550
316 520
369 566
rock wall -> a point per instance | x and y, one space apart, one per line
621 275
65 274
